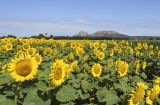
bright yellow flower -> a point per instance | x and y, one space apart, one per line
157 80
145 45
144 64
110 63
58 72
138 94
31 51
111 53
86 58
96 45
74 65
122 68
103 46
47 51
26 46
9 46
23 68
3 48
137 65
96 70
79 51
70 57
152 94
38 58
139 45
101 55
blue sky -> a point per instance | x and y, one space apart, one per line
68 17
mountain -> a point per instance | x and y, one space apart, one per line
102 34
112 34
106 32
82 33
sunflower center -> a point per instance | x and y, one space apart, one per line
97 70
138 96
101 55
153 95
3 48
23 68
58 73
37 58
122 69
26 46
9 46
80 52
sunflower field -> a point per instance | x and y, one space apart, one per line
79 72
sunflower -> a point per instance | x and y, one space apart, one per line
26 46
145 45
152 94
85 58
110 62
3 48
138 53
139 45
96 70
38 58
96 51
111 53
96 45
9 46
101 55
70 57
138 94
74 65
122 68
137 65
23 68
131 51
20 53
157 81
103 46
91 45
144 64
4 68
73 45
58 72
47 51
79 51
31 51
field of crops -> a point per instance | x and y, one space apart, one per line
79 72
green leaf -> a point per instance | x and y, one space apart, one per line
5 101
136 79
75 83
143 75
41 86
67 103
83 96
86 86
32 98
66 93
108 96
123 85
107 76
4 78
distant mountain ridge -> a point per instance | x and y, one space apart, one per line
82 33
104 33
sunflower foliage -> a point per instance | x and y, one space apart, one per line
79 72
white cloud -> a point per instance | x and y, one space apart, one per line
73 26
